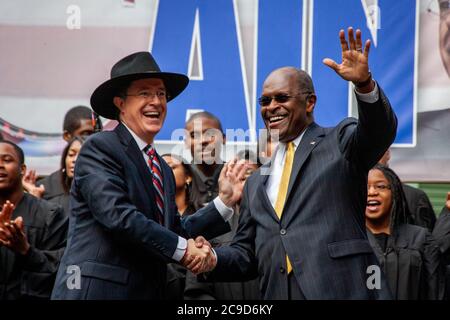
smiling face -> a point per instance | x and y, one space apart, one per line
379 196
144 108
292 116
11 170
72 155
205 140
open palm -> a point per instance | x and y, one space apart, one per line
355 61
231 182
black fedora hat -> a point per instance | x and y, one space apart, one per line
139 65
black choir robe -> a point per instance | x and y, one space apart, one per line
32 276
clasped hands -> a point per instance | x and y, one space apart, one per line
12 233
199 256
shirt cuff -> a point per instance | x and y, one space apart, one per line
215 255
370 97
224 211
180 250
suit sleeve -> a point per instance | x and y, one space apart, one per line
423 212
432 269
206 222
237 262
375 131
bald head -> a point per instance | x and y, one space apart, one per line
299 77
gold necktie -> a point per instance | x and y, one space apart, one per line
282 191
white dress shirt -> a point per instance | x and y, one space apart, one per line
224 211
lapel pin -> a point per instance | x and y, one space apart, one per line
313 142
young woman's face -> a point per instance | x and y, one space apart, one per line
379 196
178 171
71 157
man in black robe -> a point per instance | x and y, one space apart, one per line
32 233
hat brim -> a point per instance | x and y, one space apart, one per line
102 97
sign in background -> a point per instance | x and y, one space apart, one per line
227 47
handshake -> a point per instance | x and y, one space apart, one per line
199 256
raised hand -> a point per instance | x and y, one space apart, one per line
29 184
355 61
231 182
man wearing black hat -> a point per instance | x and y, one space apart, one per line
124 224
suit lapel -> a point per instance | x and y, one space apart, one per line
310 140
133 152
263 192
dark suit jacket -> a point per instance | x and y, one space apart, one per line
322 228
113 237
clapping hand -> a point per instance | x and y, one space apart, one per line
12 236
29 184
6 213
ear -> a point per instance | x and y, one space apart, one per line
119 103
311 103
224 139
23 170
67 136
188 179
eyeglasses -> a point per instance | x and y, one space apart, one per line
439 8
264 101
146 95
379 187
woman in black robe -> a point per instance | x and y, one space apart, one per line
407 254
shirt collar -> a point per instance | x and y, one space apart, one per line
141 143
296 141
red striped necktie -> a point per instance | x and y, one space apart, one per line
157 178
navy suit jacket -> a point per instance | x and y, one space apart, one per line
114 238
322 228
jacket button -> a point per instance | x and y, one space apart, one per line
283 232
282 270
